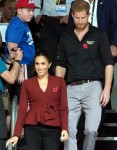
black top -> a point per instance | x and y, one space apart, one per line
84 59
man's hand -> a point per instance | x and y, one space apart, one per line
105 97
64 19
113 50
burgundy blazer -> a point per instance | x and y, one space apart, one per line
49 107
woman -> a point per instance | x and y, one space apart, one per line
47 117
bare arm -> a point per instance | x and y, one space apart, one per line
60 71
108 76
10 76
105 96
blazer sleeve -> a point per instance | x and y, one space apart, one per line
22 111
113 11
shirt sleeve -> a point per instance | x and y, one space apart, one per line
104 48
17 37
68 4
63 106
62 60
2 66
37 11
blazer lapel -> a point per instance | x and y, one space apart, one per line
100 6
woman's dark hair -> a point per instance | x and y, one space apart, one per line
43 53
47 56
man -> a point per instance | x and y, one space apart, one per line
89 62
10 77
103 15
55 15
8 10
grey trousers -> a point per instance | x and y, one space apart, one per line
84 97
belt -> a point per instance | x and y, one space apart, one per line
53 17
79 82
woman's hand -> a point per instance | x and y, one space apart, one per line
64 135
12 140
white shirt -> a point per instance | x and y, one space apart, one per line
94 19
49 8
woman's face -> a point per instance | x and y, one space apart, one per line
41 65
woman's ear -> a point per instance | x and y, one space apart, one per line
50 65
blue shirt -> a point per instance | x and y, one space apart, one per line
2 69
18 32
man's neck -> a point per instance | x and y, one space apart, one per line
80 33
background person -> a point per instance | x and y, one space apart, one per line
8 10
55 15
10 77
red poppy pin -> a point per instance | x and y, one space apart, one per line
85 45
55 89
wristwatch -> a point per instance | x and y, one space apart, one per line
18 61
8 63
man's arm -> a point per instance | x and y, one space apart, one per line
10 76
60 71
105 96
